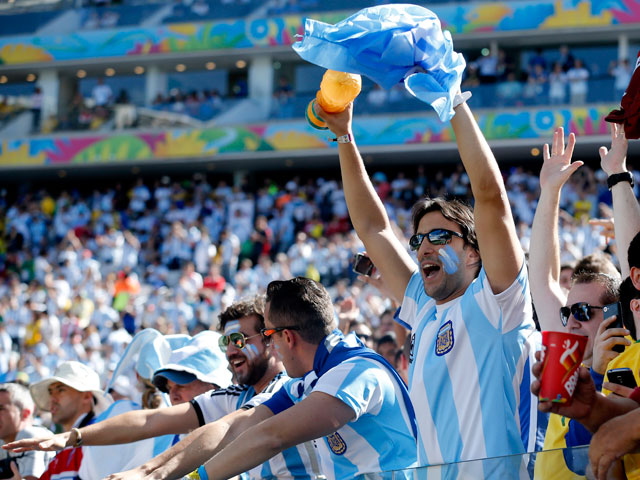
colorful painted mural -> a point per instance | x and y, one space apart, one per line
498 16
214 143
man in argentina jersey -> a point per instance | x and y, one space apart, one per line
254 363
467 305
348 397
257 369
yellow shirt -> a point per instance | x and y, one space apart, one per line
630 358
551 465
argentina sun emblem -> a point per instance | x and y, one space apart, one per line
336 444
444 341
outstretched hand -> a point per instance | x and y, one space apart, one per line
615 160
50 444
557 166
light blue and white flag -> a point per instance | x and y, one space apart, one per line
390 44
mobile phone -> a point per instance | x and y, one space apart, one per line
609 311
362 264
622 376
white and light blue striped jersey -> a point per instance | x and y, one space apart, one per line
299 462
379 438
469 372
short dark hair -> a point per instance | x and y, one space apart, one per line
389 337
597 262
633 254
246 307
627 293
610 284
454 210
304 303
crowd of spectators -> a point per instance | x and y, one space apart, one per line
545 79
80 272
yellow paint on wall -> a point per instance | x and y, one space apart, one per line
295 140
20 156
182 145
577 17
21 53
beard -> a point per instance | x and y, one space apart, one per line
258 368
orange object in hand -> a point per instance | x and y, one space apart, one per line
337 90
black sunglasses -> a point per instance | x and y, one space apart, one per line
581 311
236 339
437 236
267 332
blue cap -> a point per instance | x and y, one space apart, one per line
181 378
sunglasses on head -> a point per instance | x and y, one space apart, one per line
581 311
236 339
438 236
267 332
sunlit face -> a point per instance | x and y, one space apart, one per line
185 393
443 267
10 416
590 293
66 404
291 363
248 364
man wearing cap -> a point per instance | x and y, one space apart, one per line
16 423
255 366
73 397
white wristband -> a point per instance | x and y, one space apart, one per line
347 138
461 98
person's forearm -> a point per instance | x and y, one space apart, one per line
626 212
133 426
188 454
544 261
233 459
366 210
606 408
484 175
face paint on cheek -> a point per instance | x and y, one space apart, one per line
450 260
251 351
232 327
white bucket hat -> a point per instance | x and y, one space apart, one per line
75 375
199 358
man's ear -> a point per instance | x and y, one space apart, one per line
25 414
635 277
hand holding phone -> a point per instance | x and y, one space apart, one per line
362 264
622 376
609 311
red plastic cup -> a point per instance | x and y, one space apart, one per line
562 355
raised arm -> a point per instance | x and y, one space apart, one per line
125 428
366 210
626 210
500 250
544 252
199 446
315 417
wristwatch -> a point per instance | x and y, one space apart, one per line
620 177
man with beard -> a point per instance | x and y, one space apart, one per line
256 368
467 305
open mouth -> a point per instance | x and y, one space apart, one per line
430 270
237 362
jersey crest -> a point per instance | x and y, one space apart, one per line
444 341
337 444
